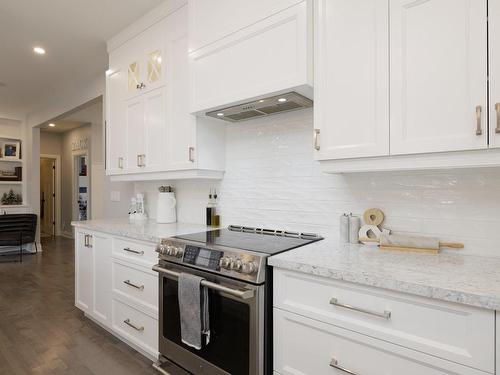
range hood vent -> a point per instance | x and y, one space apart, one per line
291 101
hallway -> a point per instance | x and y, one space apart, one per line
41 331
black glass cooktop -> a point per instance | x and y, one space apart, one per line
260 242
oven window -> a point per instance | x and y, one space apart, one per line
229 329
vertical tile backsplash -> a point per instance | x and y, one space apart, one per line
272 180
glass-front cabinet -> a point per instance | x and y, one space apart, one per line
146 62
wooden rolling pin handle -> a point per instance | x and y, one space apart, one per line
453 245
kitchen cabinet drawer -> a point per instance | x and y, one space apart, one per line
137 252
135 326
455 332
306 346
137 285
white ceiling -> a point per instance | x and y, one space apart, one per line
92 113
74 34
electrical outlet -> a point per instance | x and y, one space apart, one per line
115 196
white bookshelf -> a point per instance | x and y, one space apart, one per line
10 164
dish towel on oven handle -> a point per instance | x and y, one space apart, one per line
194 310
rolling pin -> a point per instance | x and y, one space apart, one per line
412 243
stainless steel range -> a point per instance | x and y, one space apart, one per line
233 263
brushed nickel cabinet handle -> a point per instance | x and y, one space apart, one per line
129 283
86 240
316 140
191 154
130 324
497 109
120 162
384 315
479 129
335 364
128 249
140 160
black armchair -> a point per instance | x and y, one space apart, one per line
18 230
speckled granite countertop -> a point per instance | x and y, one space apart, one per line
149 230
466 279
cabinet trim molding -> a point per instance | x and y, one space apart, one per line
443 160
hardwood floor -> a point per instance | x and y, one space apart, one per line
42 332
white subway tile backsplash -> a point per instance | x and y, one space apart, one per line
272 180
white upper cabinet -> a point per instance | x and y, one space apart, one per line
211 20
403 84
115 121
243 50
146 132
494 59
150 132
438 75
351 113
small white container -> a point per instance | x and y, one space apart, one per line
166 212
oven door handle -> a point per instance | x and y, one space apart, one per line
243 294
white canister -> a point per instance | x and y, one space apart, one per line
166 212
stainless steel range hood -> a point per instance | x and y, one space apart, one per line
290 101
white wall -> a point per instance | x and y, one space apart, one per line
50 143
273 181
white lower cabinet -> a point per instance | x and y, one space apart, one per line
116 287
83 271
390 331
307 346
101 280
135 326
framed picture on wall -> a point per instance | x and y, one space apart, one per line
11 150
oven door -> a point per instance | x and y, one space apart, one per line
236 311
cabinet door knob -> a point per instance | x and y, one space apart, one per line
316 139
191 154
479 129
497 109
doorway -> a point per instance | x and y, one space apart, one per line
48 196
81 197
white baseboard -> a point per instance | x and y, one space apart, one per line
66 234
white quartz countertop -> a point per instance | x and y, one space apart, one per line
149 230
466 279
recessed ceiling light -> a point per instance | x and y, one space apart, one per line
282 100
52 125
39 50
220 114
261 101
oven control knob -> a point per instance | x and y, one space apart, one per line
161 248
225 262
237 265
249 268
177 252
170 250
